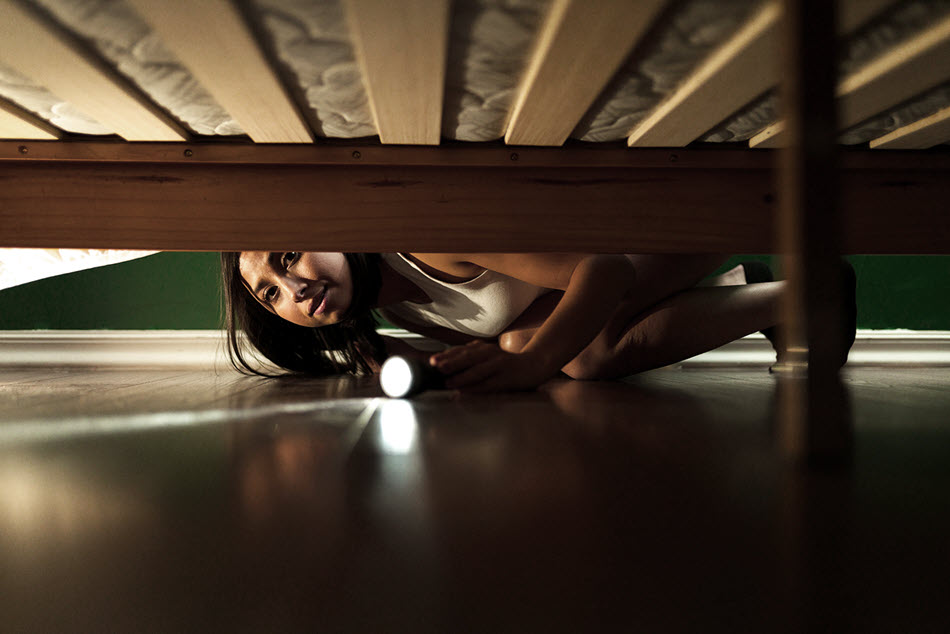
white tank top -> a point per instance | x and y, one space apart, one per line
481 307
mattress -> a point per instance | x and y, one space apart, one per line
680 43
117 33
890 29
491 42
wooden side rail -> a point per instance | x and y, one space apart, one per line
375 198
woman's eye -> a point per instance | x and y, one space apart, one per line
289 258
270 294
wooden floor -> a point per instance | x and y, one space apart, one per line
174 501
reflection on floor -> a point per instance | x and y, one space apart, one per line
172 501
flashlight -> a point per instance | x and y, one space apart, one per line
401 377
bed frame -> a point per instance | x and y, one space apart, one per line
789 190
496 198
155 186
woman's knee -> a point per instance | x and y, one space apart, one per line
591 365
514 340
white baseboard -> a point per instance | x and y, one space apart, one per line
206 348
871 347
126 348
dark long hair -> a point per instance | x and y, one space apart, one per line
350 347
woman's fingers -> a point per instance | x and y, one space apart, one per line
457 359
474 375
469 364
484 367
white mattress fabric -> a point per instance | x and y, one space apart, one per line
490 44
680 43
895 26
122 37
117 33
31 96
312 39
20 266
489 47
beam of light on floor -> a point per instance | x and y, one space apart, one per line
42 430
398 429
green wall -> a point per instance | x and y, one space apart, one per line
180 291
163 291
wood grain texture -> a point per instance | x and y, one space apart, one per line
211 39
772 137
382 208
38 50
739 71
461 155
901 73
17 123
581 45
922 134
402 48
482 519
579 155
645 206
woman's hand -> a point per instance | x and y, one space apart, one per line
484 367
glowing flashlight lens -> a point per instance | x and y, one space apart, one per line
396 377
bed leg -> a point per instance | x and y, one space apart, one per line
814 420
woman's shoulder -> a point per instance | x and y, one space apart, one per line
446 267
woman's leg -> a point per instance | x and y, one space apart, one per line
667 318
688 323
658 277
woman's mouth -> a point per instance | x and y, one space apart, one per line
319 303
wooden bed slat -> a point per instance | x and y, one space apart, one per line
581 45
17 123
37 49
896 76
919 135
402 48
735 74
212 40
771 137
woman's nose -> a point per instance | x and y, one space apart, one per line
297 289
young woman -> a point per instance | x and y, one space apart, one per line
515 320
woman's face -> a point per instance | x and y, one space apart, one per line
303 287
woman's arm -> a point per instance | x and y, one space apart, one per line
436 337
593 285
395 345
